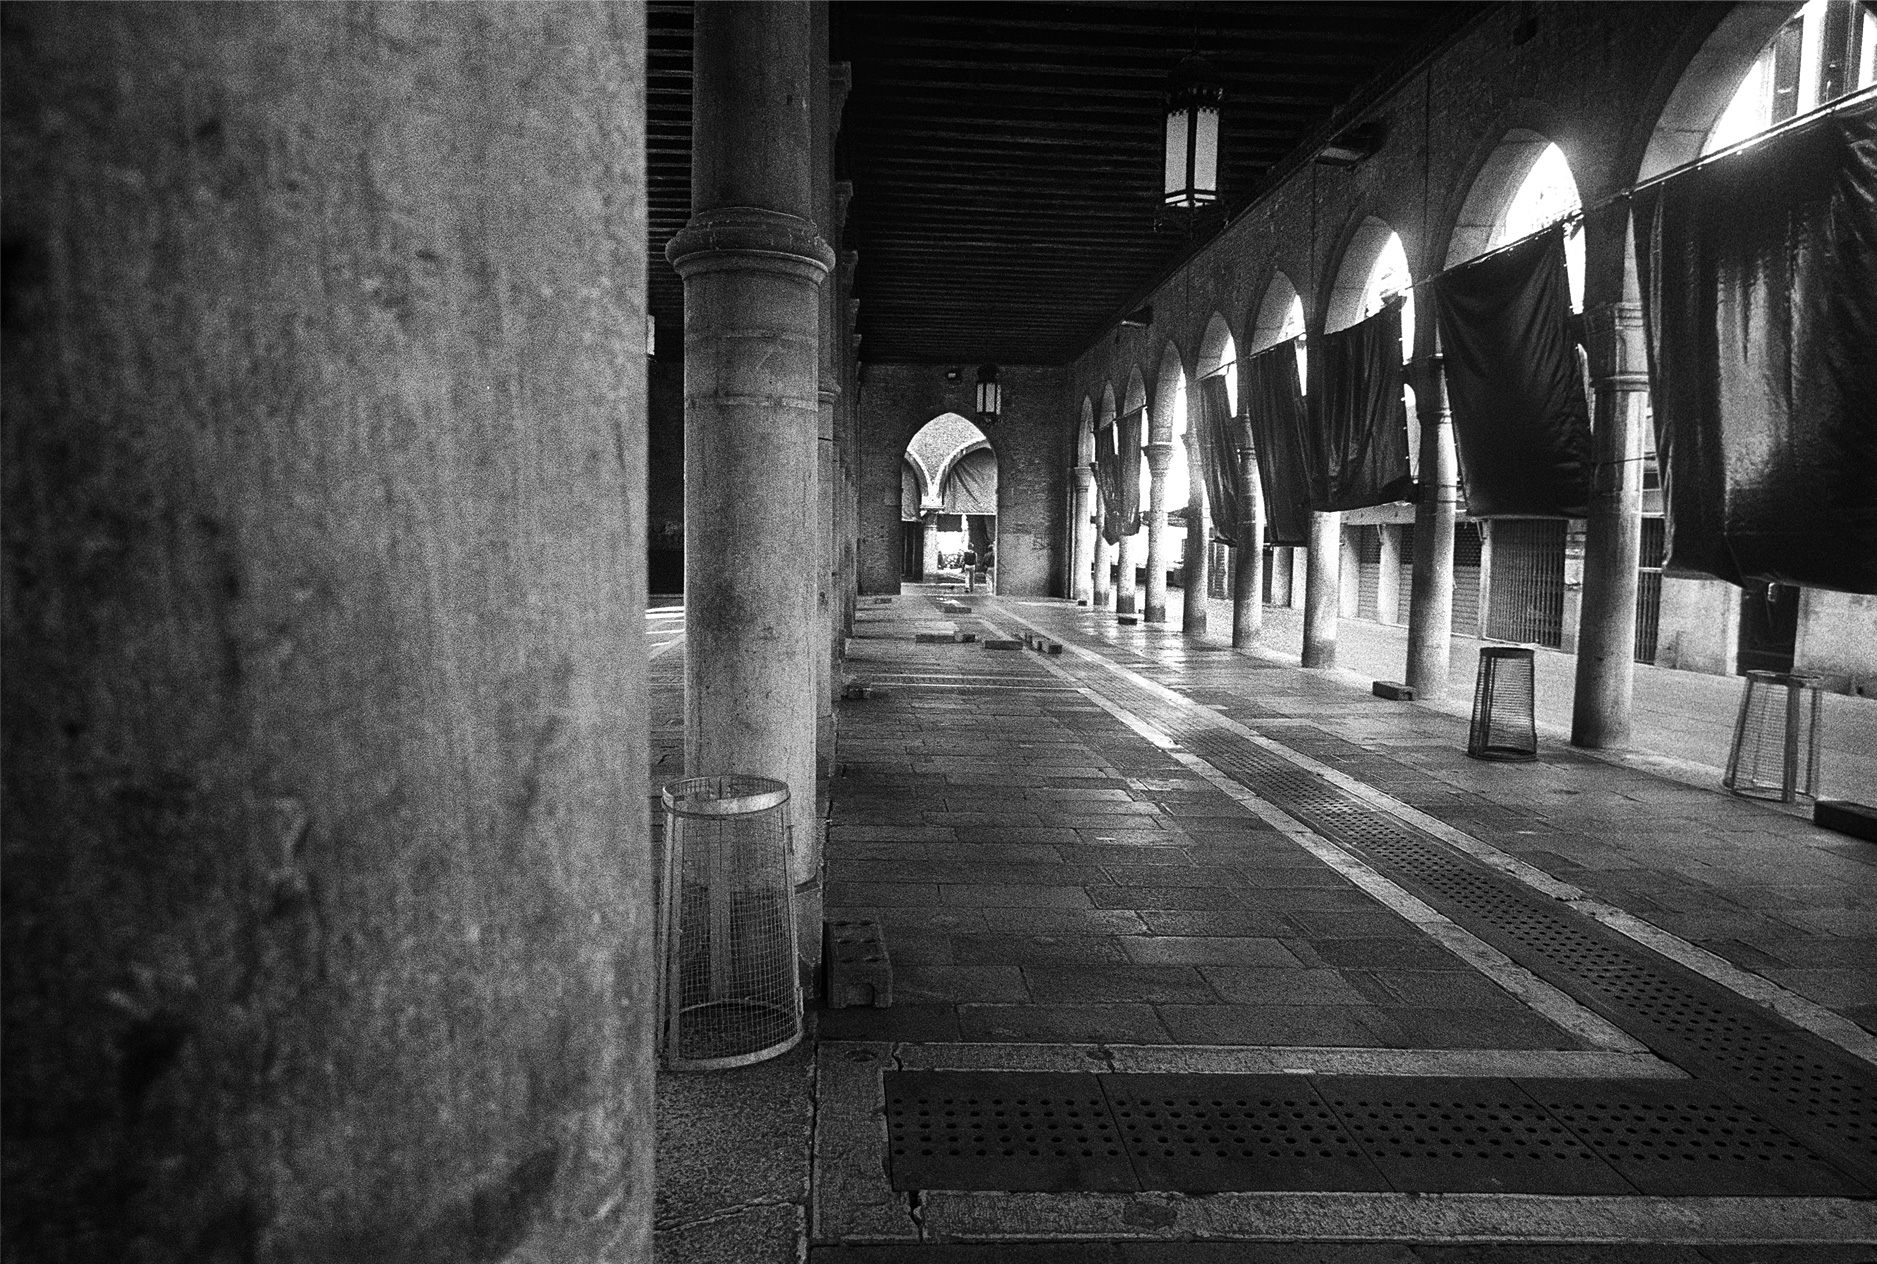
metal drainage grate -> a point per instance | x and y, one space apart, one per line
1019 1131
1207 1133
1429 1135
990 1130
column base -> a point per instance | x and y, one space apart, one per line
1124 604
1155 614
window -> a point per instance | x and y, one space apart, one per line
1828 50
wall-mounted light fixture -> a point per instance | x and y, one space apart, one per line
952 375
1192 155
1139 318
990 395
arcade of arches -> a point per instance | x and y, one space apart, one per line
344 448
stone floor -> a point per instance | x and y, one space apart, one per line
1057 879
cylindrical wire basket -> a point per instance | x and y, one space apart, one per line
729 984
1775 750
1503 725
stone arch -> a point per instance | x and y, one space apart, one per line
1267 327
1136 394
1707 83
1106 414
1085 433
1482 221
1369 242
1218 349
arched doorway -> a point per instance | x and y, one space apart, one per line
953 528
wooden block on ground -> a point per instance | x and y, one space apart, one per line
1859 820
1393 690
1054 647
993 643
858 969
963 637
931 638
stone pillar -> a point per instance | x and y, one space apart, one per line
1159 460
1198 564
752 266
1248 551
1388 575
1082 535
1104 560
827 394
1322 597
929 534
1430 602
1124 587
1606 639
329 927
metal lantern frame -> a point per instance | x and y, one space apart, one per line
990 394
1193 130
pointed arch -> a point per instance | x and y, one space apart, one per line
1374 264
1218 355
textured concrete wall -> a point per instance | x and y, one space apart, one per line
327 890
1032 479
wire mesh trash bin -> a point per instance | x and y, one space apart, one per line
1775 751
729 983
1503 728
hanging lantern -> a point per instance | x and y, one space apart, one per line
990 395
1193 97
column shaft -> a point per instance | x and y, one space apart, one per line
1124 587
752 265
1198 565
1606 667
1430 600
1322 598
1159 458
1248 551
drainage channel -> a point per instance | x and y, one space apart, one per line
1199 1134
1818 1093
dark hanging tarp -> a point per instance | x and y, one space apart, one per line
970 486
1274 400
1209 419
1357 439
1118 475
1759 280
1513 382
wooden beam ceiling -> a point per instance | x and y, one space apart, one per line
1006 157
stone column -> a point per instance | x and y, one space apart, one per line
1159 460
1322 597
1198 564
1430 601
1124 587
1606 639
1104 559
329 927
752 265
827 394
1248 552
929 537
1082 536
1388 575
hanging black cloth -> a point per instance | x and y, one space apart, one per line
1274 400
1759 288
1513 383
1357 439
1209 419
1118 476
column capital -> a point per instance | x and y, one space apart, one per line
1614 343
1084 477
1159 459
750 239
1242 438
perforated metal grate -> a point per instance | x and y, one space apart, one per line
1042 1132
1483 1135
1206 1133
1211 1133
